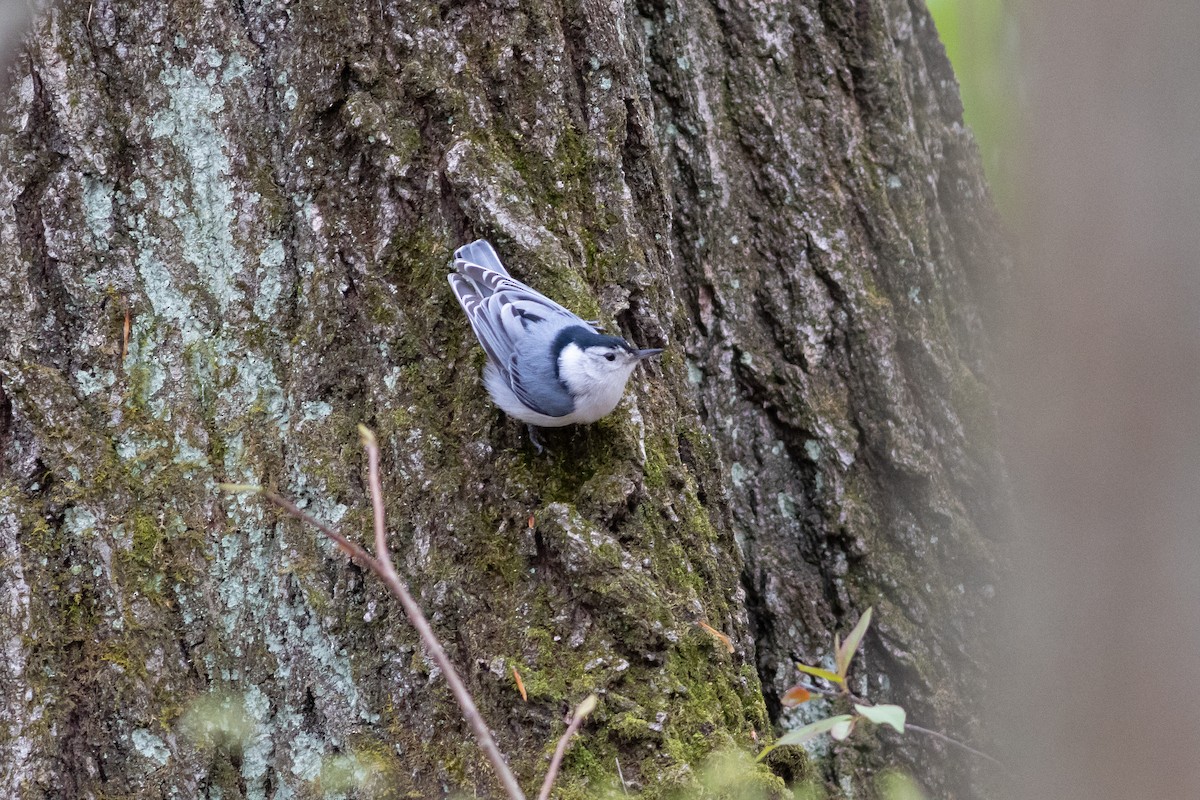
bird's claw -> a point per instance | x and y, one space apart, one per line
536 438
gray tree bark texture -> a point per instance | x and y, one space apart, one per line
225 231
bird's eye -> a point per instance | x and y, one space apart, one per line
611 357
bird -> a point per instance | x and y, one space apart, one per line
546 366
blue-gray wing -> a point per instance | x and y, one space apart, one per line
515 324
537 386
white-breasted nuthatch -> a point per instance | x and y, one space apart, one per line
545 366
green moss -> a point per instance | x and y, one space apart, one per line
224 776
629 727
116 654
496 555
147 540
657 467
586 764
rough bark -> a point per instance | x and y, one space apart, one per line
782 195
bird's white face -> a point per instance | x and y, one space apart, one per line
588 368
608 363
596 376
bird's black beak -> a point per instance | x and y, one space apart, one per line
652 351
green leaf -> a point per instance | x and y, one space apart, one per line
842 729
884 715
845 653
808 732
820 673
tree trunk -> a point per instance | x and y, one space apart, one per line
225 233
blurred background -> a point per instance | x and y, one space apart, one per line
982 41
1088 120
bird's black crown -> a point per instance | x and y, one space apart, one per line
583 338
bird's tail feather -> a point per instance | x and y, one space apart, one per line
481 252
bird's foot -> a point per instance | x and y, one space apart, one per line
536 437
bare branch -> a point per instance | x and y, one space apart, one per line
348 547
581 712
367 437
351 549
381 565
415 616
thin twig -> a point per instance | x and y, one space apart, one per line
381 565
955 742
434 647
621 775
351 549
127 328
381 545
581 712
